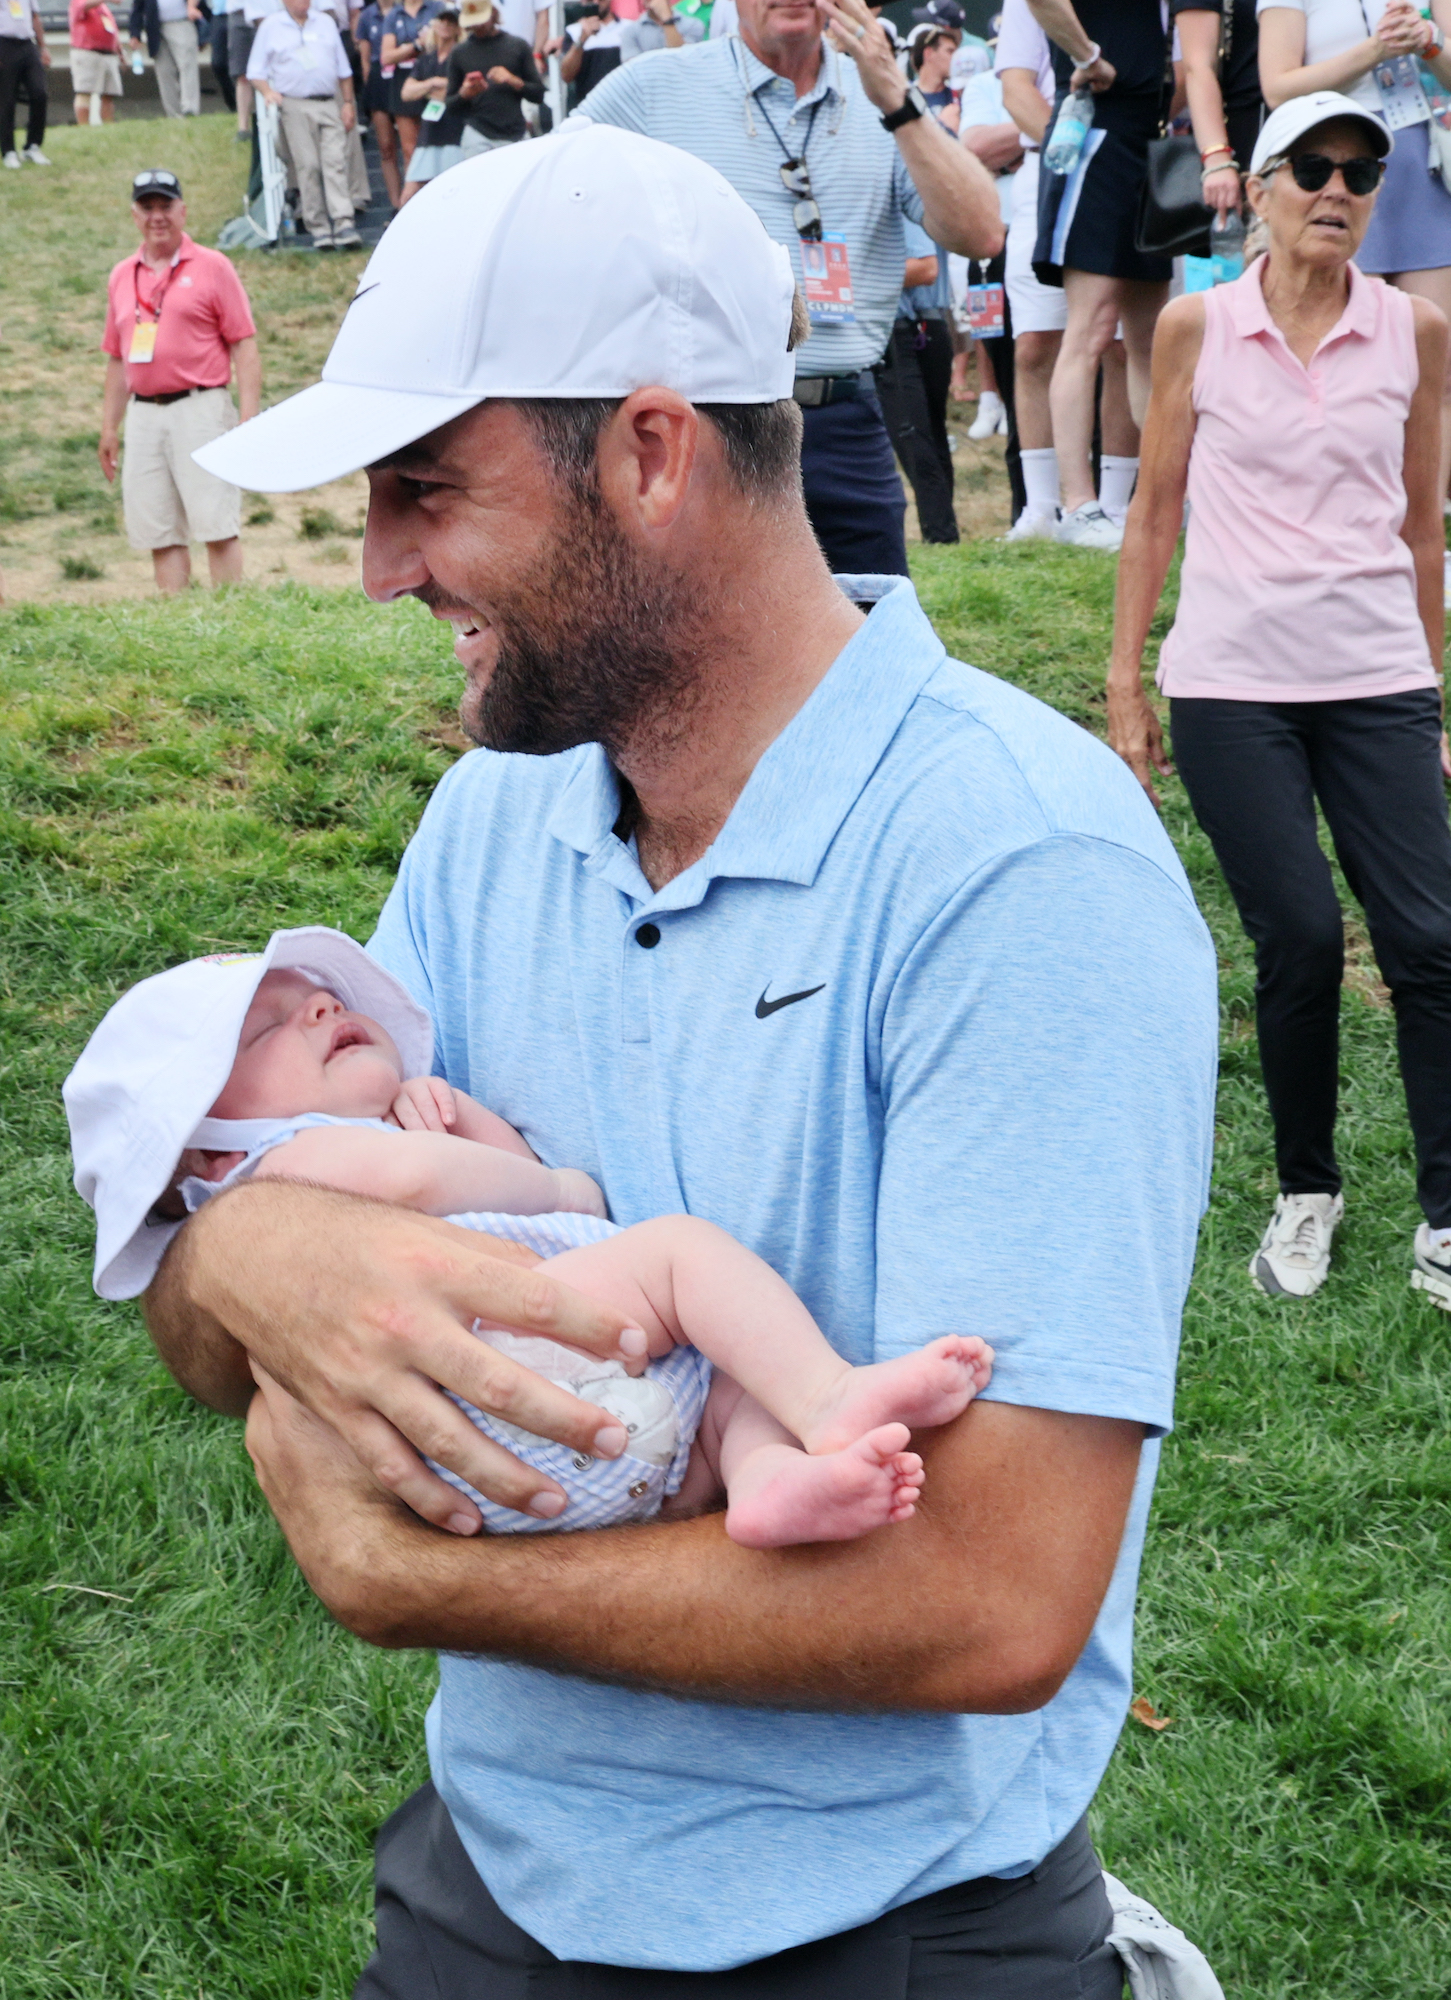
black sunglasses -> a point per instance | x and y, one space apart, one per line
1312 172
796 179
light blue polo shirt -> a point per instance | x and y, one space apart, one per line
719 102
931 1027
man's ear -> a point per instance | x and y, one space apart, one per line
647 455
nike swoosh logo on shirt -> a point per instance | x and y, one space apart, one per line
765 1007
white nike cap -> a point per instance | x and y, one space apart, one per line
588 264
1299 115
157 1063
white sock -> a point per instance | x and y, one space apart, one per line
1116 478
990 400
1040 480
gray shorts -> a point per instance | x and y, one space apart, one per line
1043 1937
94 73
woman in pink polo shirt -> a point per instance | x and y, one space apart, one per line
1300 409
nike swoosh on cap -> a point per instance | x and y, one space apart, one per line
765 1006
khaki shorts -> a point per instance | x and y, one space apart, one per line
93 71
168 500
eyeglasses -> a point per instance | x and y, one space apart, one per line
806 216
1312 172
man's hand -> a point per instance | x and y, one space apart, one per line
109 453
1097 76
589 24
362 1311
498 74
854 31
271 96
349 114
473 85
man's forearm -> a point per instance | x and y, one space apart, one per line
982 1603
1061 25
195 1349
959 196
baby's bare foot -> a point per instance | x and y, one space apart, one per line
929 1387
781 1496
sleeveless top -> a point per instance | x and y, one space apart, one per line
1296 585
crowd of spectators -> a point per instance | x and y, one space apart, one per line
899 159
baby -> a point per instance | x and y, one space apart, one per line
262 1068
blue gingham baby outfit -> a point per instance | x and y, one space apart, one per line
603 1493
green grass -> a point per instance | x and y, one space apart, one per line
193 1768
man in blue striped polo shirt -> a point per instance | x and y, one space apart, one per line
780 94
762 909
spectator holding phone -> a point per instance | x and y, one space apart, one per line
592 47
403 28
441 146
490 75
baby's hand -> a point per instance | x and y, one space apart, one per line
426 1104
578 1194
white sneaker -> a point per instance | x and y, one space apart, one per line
36 157
1088 527
1003 424
1433 1269
12 160
990 413
1033 526
1293 1259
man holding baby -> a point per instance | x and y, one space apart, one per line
757 907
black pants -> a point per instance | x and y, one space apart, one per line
853 491
1254 771
913 382
221 59
441 1936
1000 353
20 64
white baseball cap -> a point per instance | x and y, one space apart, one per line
588 264
157 1063
1299 115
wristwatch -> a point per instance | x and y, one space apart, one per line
913 105
1435 41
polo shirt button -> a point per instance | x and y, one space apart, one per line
648 935
640 1488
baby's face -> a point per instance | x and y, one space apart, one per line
301 1050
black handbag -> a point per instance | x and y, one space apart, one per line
1173 218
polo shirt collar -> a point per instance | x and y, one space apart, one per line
1249 314
807 781
186 248
758 74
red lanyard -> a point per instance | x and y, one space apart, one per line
158 298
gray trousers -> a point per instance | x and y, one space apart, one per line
441 1936
178 70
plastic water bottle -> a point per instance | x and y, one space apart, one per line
138 63
1070 129
1226 246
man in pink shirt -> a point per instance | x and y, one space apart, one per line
95 59
177 325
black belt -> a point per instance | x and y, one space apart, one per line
179 395
812 391
916 319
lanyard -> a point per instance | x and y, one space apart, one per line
158 298
791 159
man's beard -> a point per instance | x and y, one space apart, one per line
596 646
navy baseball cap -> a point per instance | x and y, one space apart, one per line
156 180
940 14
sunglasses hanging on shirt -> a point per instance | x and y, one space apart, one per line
805 215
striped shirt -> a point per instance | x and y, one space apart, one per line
718 101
